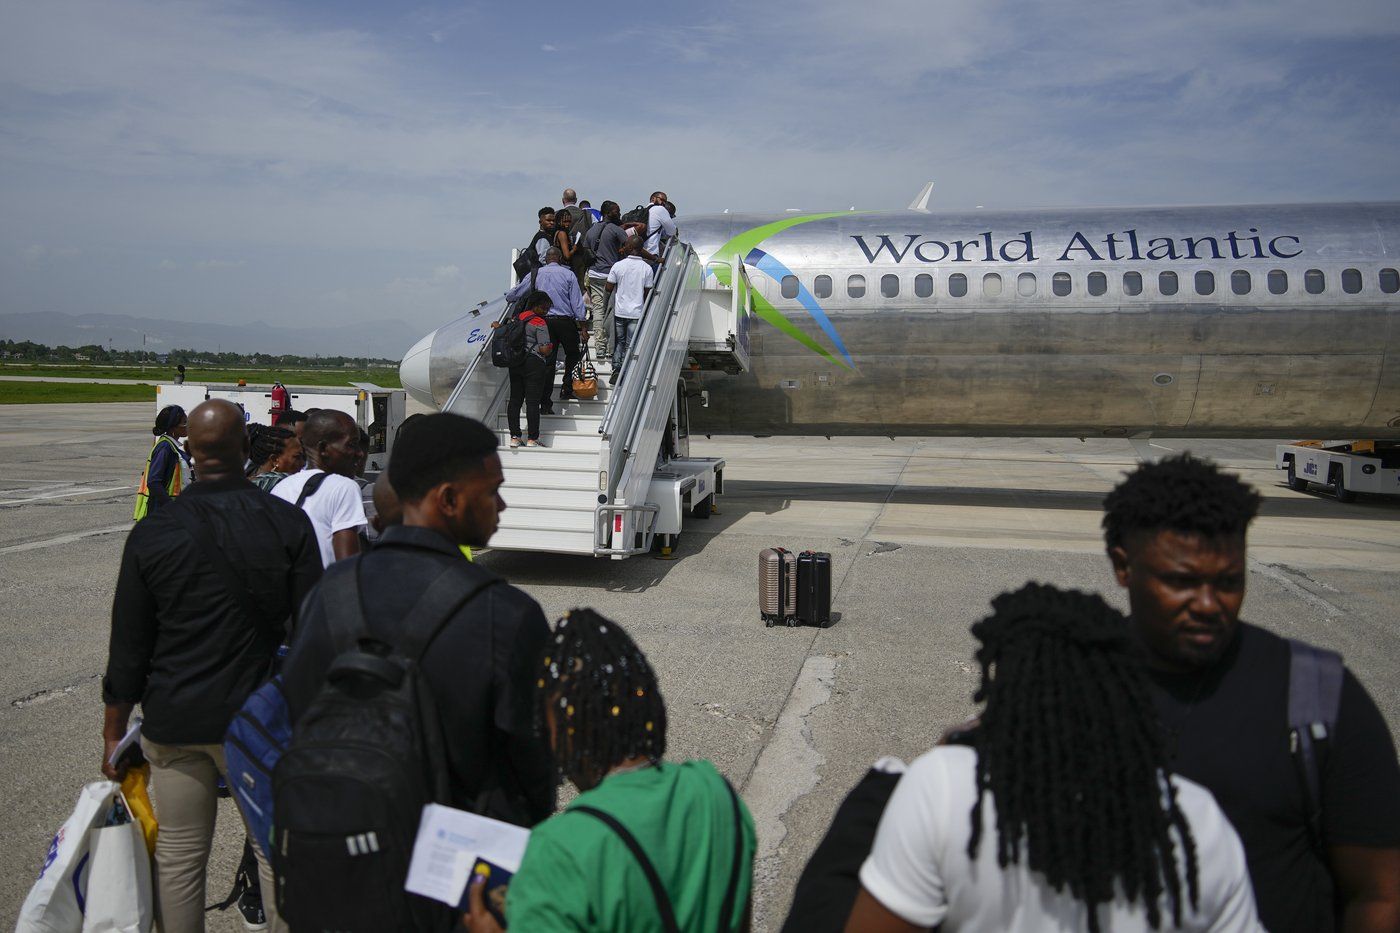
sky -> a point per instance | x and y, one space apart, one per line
320 163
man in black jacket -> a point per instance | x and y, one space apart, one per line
206 588
482 665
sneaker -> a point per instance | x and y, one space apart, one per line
533 443
250 909
514 441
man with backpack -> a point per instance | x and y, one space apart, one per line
1285 737
522 345
605 240
326 487
208 587
566 320
410 681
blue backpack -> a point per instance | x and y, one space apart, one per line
255 740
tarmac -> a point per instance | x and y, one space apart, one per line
922 532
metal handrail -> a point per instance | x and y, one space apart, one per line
626 401
471 364
602 528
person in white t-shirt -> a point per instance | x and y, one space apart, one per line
629 280
1055 810
661 223
332 500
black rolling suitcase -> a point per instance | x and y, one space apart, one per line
777 586
814 588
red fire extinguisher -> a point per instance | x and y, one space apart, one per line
280 400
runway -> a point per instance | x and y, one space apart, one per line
923 533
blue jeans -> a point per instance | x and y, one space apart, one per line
622 342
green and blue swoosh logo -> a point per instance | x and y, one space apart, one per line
746 244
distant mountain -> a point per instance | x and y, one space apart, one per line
390 339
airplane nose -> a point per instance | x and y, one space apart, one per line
414 371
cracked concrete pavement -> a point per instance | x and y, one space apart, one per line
922 532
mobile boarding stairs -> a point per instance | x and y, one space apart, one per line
613 476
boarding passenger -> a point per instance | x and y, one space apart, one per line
295 420
204 588
543 238
604 240
326 488
275 454
638 818
167 465
593 215
1057 811
1175 532
629 281
530 379
565 320
579 218
661 224
481 665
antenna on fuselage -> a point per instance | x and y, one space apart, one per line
920 202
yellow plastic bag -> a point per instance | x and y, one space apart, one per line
136 790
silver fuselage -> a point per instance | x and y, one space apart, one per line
1009 356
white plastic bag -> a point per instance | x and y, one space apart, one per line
81 849
119 881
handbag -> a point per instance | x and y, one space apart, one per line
97 875
585 377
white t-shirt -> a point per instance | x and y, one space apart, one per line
632 276
919 867
335 506
659 221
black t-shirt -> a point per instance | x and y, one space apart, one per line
1227 729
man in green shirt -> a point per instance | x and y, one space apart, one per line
647 844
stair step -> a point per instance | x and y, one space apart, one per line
527 496
560 440
566 421
541 519
555 542
549 458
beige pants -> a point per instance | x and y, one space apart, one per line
186 800
601 306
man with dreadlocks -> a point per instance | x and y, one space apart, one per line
1060 815
1320 861
648 844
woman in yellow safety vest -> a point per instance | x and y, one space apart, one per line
167 464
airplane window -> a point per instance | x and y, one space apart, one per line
1060 284
923 285
1314 281
1098 283
1278 282
889 286
957 285
1025 285
855 286
789 286
1166 283
1351 281
1205 283
1390 281
991 285
1240 282
821 286
1132 283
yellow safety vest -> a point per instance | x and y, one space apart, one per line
467 552
143 493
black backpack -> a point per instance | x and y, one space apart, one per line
364 759
508 341
637 215
529 258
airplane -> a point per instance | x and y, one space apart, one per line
1260 321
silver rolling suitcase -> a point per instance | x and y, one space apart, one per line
777 586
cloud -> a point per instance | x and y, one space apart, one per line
167 265
206 264
548 48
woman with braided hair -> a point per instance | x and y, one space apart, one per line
1055 811
647 844
273 455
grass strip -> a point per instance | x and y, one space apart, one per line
48 393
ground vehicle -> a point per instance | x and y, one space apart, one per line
1349 467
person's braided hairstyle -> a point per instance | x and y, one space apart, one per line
607 705
1182 493
264 443
1070 750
